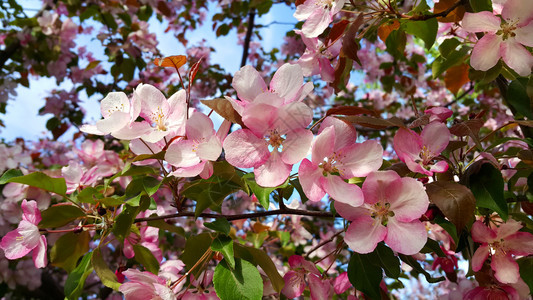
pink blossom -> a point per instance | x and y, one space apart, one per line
26 237
418 151
438 113
317 14
503 38
317 57
320 289
391 212
295 278
193 155
341 283
336 157
145 285
275 139
501 244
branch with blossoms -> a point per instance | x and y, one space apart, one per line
312 186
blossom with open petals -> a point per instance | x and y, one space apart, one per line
503 38
317 15
391 212
26 237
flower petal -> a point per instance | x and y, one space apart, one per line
39 253
375 185
244 150
114 102
484 21
320 289
316 23
31 212
486 52
323 145
342 191
309 176
482 234
154 105
435 136
364 234
479 257
524 34
294 285
260 118
182 154
273 172
517 57
287 81
248 83
505 268
350 212
406 238
199 126
345 133
358 160
296 146
408 199
210 150
113 122
518 10
293 116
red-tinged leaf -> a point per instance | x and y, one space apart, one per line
224 108
385 29
350 45
349 111
468 128
298 2
375 123
342 73
455 200
194 70
527 157
456 77
336 31
93 64
420 121
454 16
164 9
528 123
175 61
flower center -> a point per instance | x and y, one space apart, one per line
329 164
158 117
274 140
381 212
507 29
497 247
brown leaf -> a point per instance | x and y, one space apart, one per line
349 43
375 123
336 31
224 108
163 8
342 73
468 128
349 111
526 156
456 77
175 61
194 70
400 168
454 16
420 121
386 28
528 123
456 201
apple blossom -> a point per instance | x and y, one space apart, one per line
295 278
504 37
145 285
391 212
419 150
317 56
336 157
501 244
317 14
26 237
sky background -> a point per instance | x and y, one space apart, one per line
22 119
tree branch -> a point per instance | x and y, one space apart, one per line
248 38
286 211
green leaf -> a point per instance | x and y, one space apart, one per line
139 170
209 192
449 227
365 275
262 193
481 5
195 248
220 225
447 46
158 155
417 269
41 181
76 279
167 227
68 248
123 222
487 186
113 201
145 257
244 282
433 246
396 44
259 257
455 200
59 215
387 260
519 99
224 244
424 30
88 195
525 265
107 276
11 173
441 64
151 185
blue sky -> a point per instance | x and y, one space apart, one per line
22 119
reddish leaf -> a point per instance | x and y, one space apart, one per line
224 108
336 31
527 157
349 111
385 29
194 70
456 201
342 73
163 8
298 2
349 43
420 121
375 123
468 128
456 77
175 61
454 16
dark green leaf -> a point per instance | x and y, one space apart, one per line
387 260
424 30
433 246
10 174
519 99
244 282
123 222
259 257
487 186
139 170
195 248
113 201
107 276
42 181
441 64
88 195
220 225
159 155
145 257
167 227
365 276
417 269
447 46
59 215
224 244
151 185
209 192
68 248
76 279
396 44
481 5
526 271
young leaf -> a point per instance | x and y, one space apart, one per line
364 275
175 61
519 99
76 279
107 276
145 257
220 225
262 193
224 244
487 184
455 200
224 108
42 181
68 248
259 257
10 174
243 282
195 248
425 30
123 222
59 215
